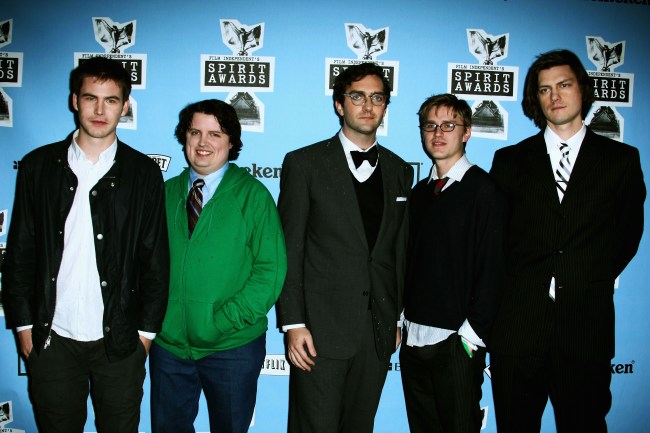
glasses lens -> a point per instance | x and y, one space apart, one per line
377 99
357 98
447 126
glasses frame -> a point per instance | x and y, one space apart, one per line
431 127
364 98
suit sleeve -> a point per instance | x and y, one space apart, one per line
629 225
403 242
293 206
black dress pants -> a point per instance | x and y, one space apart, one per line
522 385
442 387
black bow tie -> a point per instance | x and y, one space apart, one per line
358 157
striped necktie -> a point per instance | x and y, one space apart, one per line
194 204
563 172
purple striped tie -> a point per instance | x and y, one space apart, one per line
194 204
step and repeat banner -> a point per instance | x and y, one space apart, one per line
275 63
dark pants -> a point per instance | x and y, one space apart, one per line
442 387
521 387
338 395
228 380
61 376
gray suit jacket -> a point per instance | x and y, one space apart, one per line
332 276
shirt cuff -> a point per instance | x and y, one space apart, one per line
294 326
471 338
147 335
24 328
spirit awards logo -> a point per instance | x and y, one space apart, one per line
486 83
6 417
241 74
367 44
11 73
611 89
114 38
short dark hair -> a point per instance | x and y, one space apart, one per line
225 115
548 60
459 107
101 68
355 73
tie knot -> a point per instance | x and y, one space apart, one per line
358 157
198 183
564 148
439 185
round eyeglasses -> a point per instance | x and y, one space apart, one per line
444 126
377 99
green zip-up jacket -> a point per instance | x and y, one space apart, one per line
225 279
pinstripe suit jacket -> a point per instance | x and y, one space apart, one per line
586 241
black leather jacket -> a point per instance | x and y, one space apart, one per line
130 233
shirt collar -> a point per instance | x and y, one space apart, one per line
553 140
456 172
75 153
349 146
211 180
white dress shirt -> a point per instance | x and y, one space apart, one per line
79 307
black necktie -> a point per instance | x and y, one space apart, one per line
194 204
358 157
439 184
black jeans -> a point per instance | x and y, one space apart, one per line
61 376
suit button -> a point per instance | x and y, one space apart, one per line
104 284
365 293
107 329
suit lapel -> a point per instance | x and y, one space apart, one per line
588 159
343 187
389 181
539 167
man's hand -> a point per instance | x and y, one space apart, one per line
25 342
297 340
146 343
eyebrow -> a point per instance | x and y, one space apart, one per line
361 92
